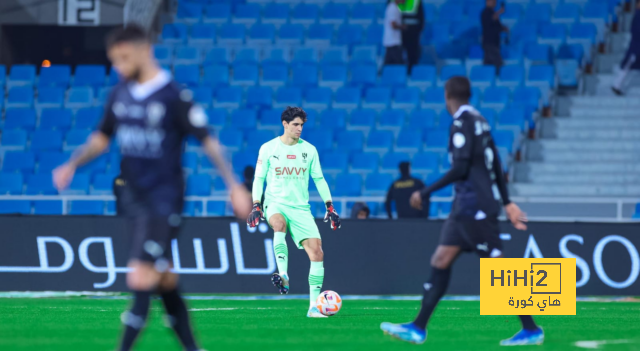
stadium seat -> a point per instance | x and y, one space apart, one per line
47 207
40 184
228 97
98 165
306 14
216 208
49 160
334 55
333 76
453 11
348 184
511 76
422 77
274 55
217 56
444 120
3 75
334 13
364 162
490 115
347 98
187 55
483 76
391 119
198 185
409 140
231 138
584 34
13 140
541 76
364 55
503 139
20 96
450 71
276 14
527 96
363 14
78 186
86 118
524 32
422 119
218 13
377 184
247 56
21 75
305 76
259 97
434 99
538 54
372 34
11 183
305 56
406 98
495 97
255 139
190 162
15 206
377 98
394 76
245 75
552 34
363 119
363 76
244 119
391 160
80 207
538 13
247 14
231 34
350 140
511 15
512 117
55 76
319 35
270 119
203 96
202 34
189 12
55 119
566 13
46 140
426 162
174 33
436 140
379 140
334 162
216 76
274 75
187 74
288 96
317 98
290 34
50 97
19 118
79 97
75 138
350 34
261 34
103 184
333 119
162 53
241 160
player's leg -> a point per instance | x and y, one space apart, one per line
177 314
143 280
278 222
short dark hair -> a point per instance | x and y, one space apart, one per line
458 88
366 210
290 113
132 33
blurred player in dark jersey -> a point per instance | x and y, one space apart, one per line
480 192
150 116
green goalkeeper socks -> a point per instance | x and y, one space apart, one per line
281 251
316 277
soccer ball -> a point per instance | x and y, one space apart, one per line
329 303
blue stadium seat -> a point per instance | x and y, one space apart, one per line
187 74
203 96
198 185
89 76
511 76
377 98
379 140
228 97
217 117
483 76
350 34
20 97
444 120
288 96
162 53
274 55
306 14
512 117
363 76
503 139
445 207
538 53
583 33
3 75
527 96
18 161
450 71
244 119
203 34
261 34
217 13
364 55
55 76
333 119
190 162
274 75
192 208
13 140
255 139
350 140
394 76
174 33
47 207
98 165
552 34
305 56
334 13
422 119
348 184
566 13
259 97
15 206
363 119
270 119
425 162
496 97
439 32
84 207
541 75
437 140
75 138
48 160
187 55
372 33
247 56
231 138
391 160
290 34
231 34
422 76
40 184
568 70
277 14
409 140
216 208
241 160
49 97
245 75
312 118
363 14
305 76
334 55
490 115
335 162
538 13
433 99
377 184
317 98
189 12
217 56
347 98
103 184
78 186
364 162
406 98
46 140
19 118
79 97
216 76
512 14
11 184
247 14
333 76
452 11
524 32
86 118
21 75
391 119
319 35
596 13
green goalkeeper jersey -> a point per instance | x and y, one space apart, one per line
286 169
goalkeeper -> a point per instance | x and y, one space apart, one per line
286 162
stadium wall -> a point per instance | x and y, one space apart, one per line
220 255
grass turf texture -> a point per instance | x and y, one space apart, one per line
94 324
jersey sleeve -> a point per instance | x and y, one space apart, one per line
108 123
192 118
318 177
461 140
262 167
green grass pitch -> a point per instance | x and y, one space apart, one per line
82 323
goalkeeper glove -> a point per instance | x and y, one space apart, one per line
332 215
255 216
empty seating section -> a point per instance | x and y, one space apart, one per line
245 62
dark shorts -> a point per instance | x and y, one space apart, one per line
481 236
393 55
151 233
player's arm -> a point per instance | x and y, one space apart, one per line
323 190
514 213
262 167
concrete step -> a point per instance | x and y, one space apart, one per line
589 156
604 112
600 85
536 168
605 62
598 135
575 190
591 123
604 101
578 146
581 179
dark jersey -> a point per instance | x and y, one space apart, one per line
150 129
470 139
401 191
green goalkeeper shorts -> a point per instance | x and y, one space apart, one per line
300 222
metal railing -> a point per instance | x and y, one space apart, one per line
344 212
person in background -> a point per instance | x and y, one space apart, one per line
491 29
360 210
249 174
413 20
632 58
392 35
400 192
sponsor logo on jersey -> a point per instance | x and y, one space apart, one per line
280 171
304 156
276 157
259 161
291 157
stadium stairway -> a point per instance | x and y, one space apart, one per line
591 147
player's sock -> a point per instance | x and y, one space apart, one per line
433 291
179 318
316 277
134 319
281 251
528 323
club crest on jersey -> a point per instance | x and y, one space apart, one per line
304 156
155 113
291 157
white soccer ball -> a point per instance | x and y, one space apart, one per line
329 303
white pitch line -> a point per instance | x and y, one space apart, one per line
212 309
595 344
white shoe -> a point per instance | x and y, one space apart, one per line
315 313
